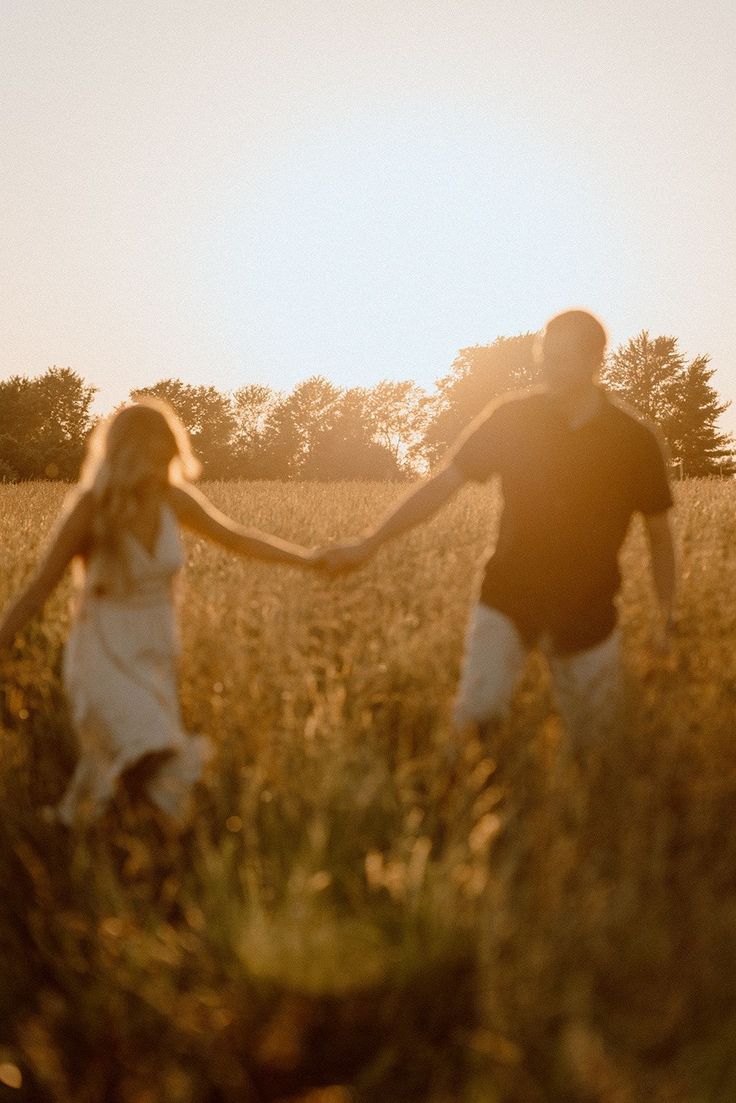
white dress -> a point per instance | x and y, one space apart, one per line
120 680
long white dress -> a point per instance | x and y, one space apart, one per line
120 680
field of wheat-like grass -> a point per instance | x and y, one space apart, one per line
347 919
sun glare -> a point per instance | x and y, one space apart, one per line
355 239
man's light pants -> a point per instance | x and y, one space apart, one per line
587 683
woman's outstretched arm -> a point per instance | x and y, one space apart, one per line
69 538
196 512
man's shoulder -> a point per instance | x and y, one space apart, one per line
509 415
622 409
481 448
628 419
516 404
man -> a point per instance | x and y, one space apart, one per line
575 464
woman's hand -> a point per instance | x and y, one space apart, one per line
345 556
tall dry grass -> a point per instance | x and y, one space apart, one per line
347 920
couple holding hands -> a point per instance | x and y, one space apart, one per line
574 464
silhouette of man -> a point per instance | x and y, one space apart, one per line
575 464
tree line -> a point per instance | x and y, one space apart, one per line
392 430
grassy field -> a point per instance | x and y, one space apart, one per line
345 921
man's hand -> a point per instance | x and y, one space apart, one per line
421 503
346 556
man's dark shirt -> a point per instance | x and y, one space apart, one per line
569 494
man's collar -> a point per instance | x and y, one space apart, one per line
577 414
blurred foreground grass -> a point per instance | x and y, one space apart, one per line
345 922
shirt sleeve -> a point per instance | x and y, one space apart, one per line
652 491
478 450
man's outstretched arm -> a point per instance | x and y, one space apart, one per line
418 505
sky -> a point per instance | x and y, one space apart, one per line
236 192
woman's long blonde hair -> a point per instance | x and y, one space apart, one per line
118 468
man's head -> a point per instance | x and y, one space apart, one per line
571 350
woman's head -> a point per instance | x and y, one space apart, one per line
138 447
137 452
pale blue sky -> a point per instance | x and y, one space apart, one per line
237 192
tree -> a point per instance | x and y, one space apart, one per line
478 374
16 462
655 377
646 372
399 414
346 447
208 417
294 425
695 438
253 405
44 423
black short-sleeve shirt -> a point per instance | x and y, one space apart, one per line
569 494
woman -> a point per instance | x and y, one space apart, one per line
121 528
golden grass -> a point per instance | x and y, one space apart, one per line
344 921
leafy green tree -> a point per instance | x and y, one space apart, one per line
15 462
398 414
294 425
44 423
209 418
646 371
655 377
696 440
347 448
253 405
478 374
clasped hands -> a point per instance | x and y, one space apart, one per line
342 556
